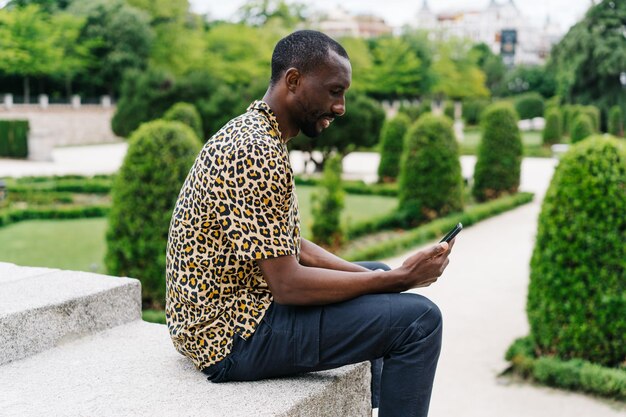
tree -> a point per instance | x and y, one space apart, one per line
589 59
456 73
359 127
491 64
120 39
396 69
260 12
525 78
160 154
28 44
179 36
238 54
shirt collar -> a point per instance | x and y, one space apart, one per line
264 108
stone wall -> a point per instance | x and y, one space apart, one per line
62 125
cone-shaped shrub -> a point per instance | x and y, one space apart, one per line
581 128
499 156
552 131
616 122
529 105
577 293
594 114
327 205
187 114
391 146
159 156
430 180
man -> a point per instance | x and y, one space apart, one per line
247 297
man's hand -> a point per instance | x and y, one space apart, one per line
426 266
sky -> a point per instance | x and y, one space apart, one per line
399 12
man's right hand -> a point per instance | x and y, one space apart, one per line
426 266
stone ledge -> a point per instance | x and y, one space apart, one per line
40 307
76 368
133 370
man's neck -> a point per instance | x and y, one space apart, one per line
286 126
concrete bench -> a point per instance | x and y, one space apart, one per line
74 344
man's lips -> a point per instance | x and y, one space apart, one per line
326 121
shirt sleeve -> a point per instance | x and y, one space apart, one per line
253 199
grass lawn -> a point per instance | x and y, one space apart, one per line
80 244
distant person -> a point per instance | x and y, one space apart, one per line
248 298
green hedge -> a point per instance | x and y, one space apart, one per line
391 146
572 374
160 154
71 185
616 122
14 138
499 155
582 128
529 105
430 178
8 216
552 131
326 205
437 228
577 291
185 113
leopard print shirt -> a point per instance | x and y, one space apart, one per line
238 204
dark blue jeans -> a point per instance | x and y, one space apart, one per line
404 330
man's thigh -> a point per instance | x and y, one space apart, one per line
293 339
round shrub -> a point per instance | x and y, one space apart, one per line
392 143
499 156
552 131
430 183
594 114
577 293
529 105
616 121
185 113
581 128
448 109
144 193
472 109
327 204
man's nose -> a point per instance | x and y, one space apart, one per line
339 107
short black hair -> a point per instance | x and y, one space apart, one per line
303 49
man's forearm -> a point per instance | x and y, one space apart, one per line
315 256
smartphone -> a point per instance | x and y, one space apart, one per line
452 233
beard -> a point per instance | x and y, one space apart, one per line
311 127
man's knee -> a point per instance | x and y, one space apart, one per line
416 310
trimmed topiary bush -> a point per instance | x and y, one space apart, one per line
552 131
616 122
581 128
391 146
185 113
160 154
499 156
472 109
577 292
327 205
430 172
529 105
594 114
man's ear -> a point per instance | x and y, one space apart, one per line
292 79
